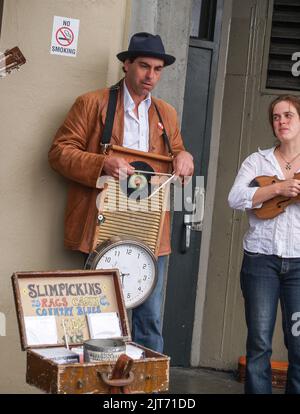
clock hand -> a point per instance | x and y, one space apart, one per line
122 277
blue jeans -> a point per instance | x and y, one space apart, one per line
266 279
146 318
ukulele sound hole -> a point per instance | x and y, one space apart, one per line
279 205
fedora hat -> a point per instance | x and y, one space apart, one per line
146 44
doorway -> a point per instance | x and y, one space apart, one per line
183 269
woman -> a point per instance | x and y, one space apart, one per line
271 264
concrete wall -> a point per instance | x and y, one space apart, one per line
244 128
171 20
33 103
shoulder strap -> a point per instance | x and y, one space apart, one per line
165 136
110 114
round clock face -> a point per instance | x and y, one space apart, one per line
137 267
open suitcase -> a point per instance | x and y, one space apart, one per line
65 299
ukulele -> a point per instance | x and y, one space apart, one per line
277 205
11 59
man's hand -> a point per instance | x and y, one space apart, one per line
117 167
183 164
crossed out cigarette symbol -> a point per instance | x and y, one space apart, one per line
64 36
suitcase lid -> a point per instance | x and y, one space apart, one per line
52 305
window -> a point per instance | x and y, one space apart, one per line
203 19
284 44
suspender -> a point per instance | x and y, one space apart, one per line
110 116
165 136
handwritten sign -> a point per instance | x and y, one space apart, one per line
69 301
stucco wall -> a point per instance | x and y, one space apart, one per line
33 103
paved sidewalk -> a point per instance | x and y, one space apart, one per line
205 381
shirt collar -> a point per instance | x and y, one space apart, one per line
267 153
129 102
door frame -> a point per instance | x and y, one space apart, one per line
215 119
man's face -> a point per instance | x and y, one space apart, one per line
142 74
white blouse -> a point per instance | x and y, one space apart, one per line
280 235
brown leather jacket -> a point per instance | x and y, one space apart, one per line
75 154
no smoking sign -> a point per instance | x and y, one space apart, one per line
64 36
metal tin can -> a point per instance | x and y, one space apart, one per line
96 350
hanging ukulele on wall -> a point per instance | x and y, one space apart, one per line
11 59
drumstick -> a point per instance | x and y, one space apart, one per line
163 184
151 172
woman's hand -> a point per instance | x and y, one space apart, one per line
289 187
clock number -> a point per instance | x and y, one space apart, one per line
129 251
145 277
140 289
128 295
144 266
117 253
107 259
